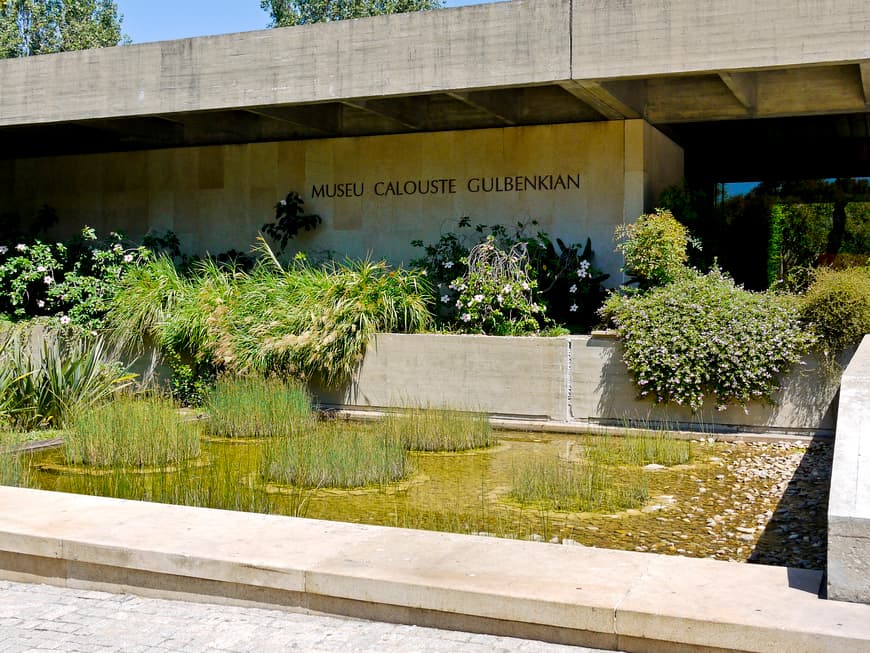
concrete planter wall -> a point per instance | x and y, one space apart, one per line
576 379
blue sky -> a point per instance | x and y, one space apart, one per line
159 20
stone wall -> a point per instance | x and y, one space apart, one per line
849 503
375 194
572 380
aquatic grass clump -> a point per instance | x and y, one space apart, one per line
254 406
335 456
638 450
14 469
428 429
554 484
131 432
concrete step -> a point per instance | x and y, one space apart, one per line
565 594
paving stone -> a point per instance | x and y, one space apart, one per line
44 618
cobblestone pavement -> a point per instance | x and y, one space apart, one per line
40 617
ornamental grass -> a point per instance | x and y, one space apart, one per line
131 432
254 406
638 450
549 483
335 456
440 430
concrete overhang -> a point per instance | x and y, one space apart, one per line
674 63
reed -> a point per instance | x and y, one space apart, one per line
426 429
659 448
553 484
336 456
131 432
254 406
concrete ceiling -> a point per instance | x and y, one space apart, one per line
708 77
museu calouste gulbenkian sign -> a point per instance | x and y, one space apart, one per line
375 194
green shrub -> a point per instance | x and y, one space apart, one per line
130 432
440 430
253 406
330 456
654 248
837 305
704 335
554 484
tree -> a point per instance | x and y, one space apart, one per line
301 12
30 27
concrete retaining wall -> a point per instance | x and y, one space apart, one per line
577 379
849 503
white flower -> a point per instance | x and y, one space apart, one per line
445 299
458 303
525 286
573 308
41 304
573 288
40 268
47 279
282 203
507 288
21 247
466 317
448 264
118 249
500 299
128 258
3 249
479 298
64 319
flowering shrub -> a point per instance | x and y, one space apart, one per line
567 285
704 335
73 282
497 294
654 248
837 305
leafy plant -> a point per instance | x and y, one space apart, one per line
290 219
837 306
497 293
703 335
68 373
569 286
654 248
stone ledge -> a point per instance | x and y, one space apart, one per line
849 503
596 597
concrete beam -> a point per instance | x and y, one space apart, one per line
864 69
322 119
410 112
675 37
467 48
506 107
613 100
744 87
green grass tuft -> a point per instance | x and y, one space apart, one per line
131 432
426 429
336 456
639 450
553 484
252 406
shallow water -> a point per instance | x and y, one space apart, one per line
734 501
